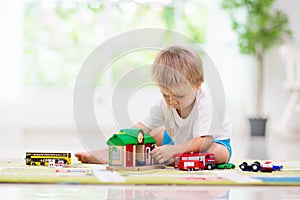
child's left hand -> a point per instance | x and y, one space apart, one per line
163 154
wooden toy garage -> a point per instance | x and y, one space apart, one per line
130 148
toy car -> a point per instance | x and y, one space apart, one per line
255 167
194 161
226 166
268 166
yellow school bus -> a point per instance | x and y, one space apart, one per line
43 158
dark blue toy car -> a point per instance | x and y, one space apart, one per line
255 167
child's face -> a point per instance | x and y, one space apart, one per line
181 97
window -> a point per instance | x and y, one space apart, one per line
115 153
193 158
60 34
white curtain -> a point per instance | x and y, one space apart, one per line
11 73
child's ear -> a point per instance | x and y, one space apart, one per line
198 85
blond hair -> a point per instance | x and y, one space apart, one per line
176 65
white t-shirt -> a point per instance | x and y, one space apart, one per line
201 121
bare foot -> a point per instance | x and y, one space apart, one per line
93 157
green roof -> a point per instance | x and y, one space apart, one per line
128 136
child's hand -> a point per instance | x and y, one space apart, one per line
163 154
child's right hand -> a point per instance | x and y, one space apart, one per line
163 154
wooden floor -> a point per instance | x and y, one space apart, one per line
265 148
62 192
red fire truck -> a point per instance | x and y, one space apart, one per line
194 161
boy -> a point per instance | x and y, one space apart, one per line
181 122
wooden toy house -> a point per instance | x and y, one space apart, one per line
130 148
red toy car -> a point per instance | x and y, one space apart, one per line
267 166
194 161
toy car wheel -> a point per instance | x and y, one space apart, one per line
243 166
257 163
255 167
225 167
209 167
233 167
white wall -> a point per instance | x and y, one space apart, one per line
276 97
43 119
237 70
291 8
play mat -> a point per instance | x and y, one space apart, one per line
77 173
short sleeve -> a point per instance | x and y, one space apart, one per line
203 121
210 123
